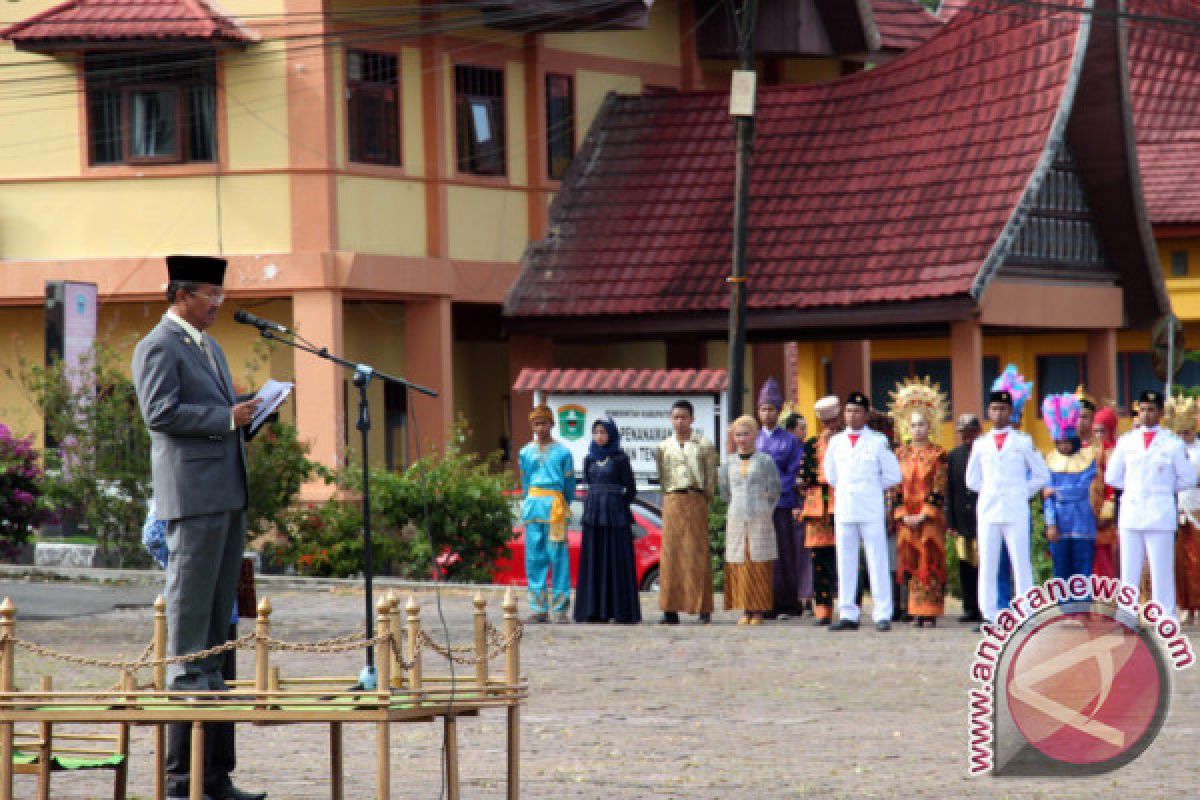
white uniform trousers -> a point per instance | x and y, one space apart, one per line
1136 545
873 536
1014 536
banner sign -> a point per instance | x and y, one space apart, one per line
644 420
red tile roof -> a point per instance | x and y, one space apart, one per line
86 21
887 186
904 24
1164 89
622 381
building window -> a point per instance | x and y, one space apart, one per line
560 124
147 108
1135 374
886 374
1179 263
1057 374
372 107
479 104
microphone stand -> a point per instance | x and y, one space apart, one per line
363 375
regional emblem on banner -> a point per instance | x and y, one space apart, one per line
571 422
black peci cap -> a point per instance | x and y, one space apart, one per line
1001 396
859 399
1151 396
197 269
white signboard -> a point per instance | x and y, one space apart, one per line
644 420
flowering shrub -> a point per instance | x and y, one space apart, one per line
453 504
23 506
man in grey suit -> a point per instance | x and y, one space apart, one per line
199 469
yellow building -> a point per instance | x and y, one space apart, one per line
371 170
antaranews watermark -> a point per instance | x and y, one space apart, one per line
1074 679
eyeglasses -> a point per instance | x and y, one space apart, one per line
216 297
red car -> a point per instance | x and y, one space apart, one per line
647 544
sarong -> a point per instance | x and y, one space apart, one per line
685 573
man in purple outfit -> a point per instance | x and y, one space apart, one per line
793 565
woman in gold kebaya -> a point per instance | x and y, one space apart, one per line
919 515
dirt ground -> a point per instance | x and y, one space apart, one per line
785 710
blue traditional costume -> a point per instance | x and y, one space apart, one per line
793 566
1070 523
548 478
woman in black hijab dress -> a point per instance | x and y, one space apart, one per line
606 588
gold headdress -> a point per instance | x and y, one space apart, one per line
1180 413
917 396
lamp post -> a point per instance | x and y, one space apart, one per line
742 88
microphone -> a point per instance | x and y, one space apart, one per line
246 318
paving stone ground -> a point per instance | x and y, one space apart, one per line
784 710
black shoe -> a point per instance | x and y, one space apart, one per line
541 618
844 625
669 618
704 619
185 796
883 626
821 621
231 792
967 619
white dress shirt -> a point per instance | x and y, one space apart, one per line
1149 478
1005 477
860 473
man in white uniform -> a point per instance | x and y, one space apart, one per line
860 466
1006 471
1149 464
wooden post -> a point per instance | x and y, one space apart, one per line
160 643
8 613
262 629
481 668
413 613
383 650
196 778
160 684
383 663
451 757
398 649
336 782
46 730
512 676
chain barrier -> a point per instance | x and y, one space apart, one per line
337 644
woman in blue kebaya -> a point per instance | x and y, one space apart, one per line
1070 521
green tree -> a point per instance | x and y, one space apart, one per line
99 470
452 504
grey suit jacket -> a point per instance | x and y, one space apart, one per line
199 464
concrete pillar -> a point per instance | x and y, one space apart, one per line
852 369
535 126
320 415
429 360
311 139
525 351
433 119
966 367
1102 365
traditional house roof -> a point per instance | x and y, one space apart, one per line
622 381
904 24
893 194
78 23
1164 90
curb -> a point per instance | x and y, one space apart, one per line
155 576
